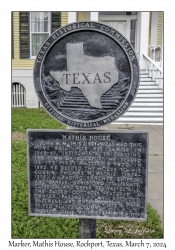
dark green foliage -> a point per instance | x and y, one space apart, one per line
25 226
23 118
130 229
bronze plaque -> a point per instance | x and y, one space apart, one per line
87 174
86 75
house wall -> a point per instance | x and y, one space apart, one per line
22 69
81 16
18 63
64 18
159 28
25 77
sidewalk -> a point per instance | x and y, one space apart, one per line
155 162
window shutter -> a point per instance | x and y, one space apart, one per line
55 21
24 34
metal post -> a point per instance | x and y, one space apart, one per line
87 228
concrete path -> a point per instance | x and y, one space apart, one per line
155 162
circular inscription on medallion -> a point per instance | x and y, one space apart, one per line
86 75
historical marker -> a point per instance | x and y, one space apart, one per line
94 175
86 75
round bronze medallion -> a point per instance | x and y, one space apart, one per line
86 75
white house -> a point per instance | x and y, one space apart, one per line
144 30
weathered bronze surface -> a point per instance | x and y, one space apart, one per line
85 174
86 75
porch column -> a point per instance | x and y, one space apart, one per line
94 16
144 31
72 17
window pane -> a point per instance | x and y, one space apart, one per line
34 26
118 13
133 45
133 32
39 22
34 21
131 13
134 13
37 42
133 24
112 13
132 36
46 16
46 27
34 16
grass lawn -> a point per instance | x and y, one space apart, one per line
25 226
23 118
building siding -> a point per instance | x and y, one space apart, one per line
81 16
17 62
64 18
159 28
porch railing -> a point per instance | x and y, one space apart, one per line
154 71
18 95
155 52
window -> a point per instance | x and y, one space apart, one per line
40 30
118 13
34 28
133 33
